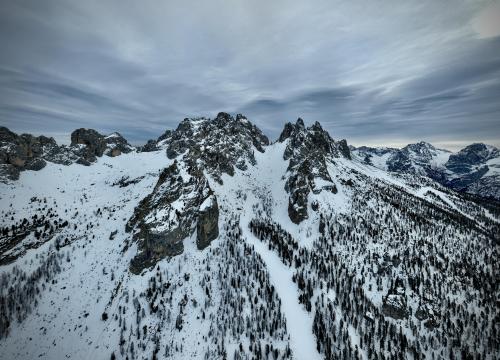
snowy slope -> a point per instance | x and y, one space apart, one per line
380 263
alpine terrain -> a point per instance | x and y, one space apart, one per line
214 242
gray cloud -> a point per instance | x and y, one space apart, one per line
372 72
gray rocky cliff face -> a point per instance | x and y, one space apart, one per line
22 152
117 145
88 144
28 152
93 145
181 202
207 228
308 150
220 145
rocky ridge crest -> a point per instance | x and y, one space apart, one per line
182 201
28 152
308 150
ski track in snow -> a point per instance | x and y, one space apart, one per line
268 179
299 322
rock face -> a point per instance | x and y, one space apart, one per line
421 158
469 158
22 152
308 150
208 222
415 158
220 145
158 144
475 169
181 198
88 144
117 145
28 152
93 144
394 305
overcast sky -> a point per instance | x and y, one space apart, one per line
374 72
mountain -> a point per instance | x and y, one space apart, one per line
474 169
216 243
28 152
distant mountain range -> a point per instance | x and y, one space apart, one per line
474 169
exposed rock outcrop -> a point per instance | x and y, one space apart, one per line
88 144
28 152
221 144
117 145
208 222
22 152
181 199
394 306
308 150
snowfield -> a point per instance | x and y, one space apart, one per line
382 264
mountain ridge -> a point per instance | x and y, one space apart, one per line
466 170
220 244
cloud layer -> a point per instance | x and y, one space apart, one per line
373 72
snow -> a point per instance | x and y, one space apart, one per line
207 203
299 322
440 158
493 167
380 161
113 135
57 328
265 181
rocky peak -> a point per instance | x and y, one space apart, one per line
88 137
117 145
221 144
469 170
421 144
22 152
28 152
308 150
418 158
292 130
88 144
313 139
466 171
422 151
158 144
223 116
182 201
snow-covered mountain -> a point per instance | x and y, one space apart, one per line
212 243
475 169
